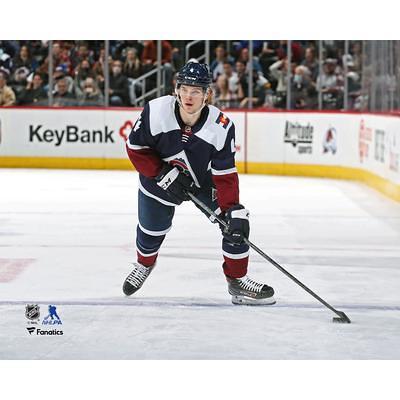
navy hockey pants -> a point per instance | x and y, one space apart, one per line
155 221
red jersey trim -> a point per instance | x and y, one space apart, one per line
227 190
146 161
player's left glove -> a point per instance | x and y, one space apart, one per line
175 183
237 219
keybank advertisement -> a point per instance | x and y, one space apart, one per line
65 133
75 133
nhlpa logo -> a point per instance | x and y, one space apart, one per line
222 120
52 318
32 312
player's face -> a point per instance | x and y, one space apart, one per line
192 98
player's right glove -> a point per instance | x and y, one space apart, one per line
237 219
175 183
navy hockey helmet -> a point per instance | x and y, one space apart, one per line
194 74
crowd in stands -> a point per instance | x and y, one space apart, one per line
270 75
78 74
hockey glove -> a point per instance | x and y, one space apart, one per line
175 183
237 219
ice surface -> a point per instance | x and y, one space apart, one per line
67 238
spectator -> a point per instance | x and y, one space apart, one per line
297 51
82 72
224 97
149 54
245 56
340 61
62 97
132 65
257 46
279 70
217 65
133 70
235 79
230 74
356 52
304 95
24 59
8 47
91 94
34 92
98 66
7 96
331 49
149 61
61 73
38 50
60 58
311 63
119 86
18 81
57 53
267 57
118 51
5 61
177 59
331 85
260 86
353 82
82 53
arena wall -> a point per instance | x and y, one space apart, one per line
363 147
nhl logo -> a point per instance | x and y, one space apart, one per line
32 312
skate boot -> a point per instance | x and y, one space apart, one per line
248 292
136 278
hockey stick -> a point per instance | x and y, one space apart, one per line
343 318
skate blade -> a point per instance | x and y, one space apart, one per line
248 301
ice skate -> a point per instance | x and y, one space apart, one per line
136 278
248 292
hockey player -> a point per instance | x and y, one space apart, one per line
182 144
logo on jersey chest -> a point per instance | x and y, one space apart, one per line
186 133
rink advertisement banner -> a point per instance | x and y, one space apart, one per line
358 141
379 146
301 138
344 145
76 133
65 133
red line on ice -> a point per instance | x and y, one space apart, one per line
10 268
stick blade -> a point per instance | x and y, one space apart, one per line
343 319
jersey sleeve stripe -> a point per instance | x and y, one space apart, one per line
223 171
136 146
